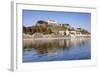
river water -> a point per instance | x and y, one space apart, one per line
56 49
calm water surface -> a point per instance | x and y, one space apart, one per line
56 49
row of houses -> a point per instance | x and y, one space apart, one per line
67 32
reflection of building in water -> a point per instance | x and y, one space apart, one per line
61 43
52 46
68 43
78 41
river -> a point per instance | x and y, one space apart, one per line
56 49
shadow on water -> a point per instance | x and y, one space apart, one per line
50 47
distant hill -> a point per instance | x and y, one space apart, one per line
48 27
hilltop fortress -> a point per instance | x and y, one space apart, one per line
51 28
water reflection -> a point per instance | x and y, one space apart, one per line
56 49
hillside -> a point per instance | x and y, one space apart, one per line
49 27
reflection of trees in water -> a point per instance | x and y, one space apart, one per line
52 45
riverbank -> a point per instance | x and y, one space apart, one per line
30 37
39 35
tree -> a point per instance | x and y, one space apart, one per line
49 31
24 29
41 22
